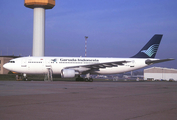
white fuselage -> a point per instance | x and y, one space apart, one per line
39 65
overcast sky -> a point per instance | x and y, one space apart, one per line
115 28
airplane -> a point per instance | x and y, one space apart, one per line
70 67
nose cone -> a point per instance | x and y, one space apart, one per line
8 66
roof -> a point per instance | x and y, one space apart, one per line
11 56
160 70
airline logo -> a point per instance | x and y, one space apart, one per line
151 50
54 60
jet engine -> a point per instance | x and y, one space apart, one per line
68 73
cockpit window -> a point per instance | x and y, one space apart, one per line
11 61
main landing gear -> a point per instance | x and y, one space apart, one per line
86 79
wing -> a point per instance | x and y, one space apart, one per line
100 65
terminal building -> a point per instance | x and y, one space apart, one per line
159 73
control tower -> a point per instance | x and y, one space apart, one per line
39 7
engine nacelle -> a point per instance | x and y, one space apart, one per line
68 73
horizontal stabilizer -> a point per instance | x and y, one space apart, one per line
157 61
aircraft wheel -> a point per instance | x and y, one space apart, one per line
91 80
86 79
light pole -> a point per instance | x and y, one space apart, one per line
86 46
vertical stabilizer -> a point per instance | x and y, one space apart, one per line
150 49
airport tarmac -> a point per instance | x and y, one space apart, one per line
69 100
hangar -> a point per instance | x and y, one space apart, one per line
160 73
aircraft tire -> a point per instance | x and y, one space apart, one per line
90 79
86 80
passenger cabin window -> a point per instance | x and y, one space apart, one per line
34 61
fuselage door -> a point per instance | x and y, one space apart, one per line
23 63
48 63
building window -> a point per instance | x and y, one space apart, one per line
0 61
0 68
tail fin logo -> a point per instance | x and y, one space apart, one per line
151 50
